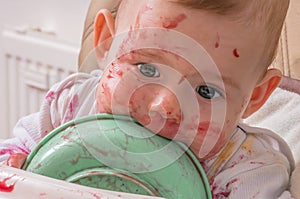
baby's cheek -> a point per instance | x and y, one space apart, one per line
116 89
106 87
115 71
103 98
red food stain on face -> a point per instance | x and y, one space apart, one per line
182 79
4 187
140 14
114 71
217 44
106 91
236 53
42 194
146 8
109 76
123 47
120 73
208 126
173 23
203 126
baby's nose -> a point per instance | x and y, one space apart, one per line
165 104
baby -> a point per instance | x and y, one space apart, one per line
189 70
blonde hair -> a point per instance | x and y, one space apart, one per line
270 14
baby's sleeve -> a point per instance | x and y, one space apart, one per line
259 168
25 137
58 107
268 182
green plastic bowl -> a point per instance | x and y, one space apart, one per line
116 153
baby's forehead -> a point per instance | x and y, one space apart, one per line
179 44
160 44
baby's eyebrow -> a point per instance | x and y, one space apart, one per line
149 53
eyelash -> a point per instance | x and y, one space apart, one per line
147 70
205 88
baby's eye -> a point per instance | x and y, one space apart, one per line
208 92
148 70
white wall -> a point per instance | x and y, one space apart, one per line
63 18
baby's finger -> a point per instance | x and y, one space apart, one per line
16 160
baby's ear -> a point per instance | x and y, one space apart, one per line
104 30
263 90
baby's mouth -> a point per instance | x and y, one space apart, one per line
156 122
159 124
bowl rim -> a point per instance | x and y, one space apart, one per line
105 116
68 124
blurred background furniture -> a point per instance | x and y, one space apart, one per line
288 58
39 45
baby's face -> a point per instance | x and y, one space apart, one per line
184 74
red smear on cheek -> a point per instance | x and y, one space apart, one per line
146 8
182 79
217 44
203 126
120 73
236 53
114 71
173 23
206 125
140 14
106 91
110 74
4 187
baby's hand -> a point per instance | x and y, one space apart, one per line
16 160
